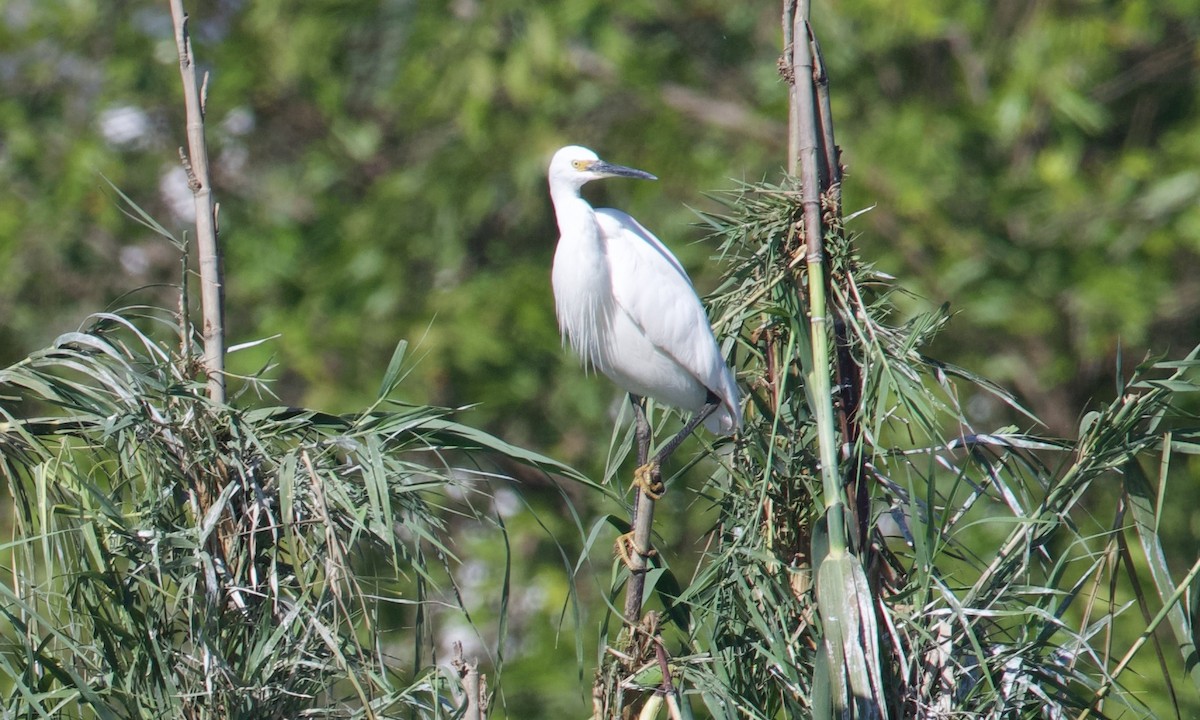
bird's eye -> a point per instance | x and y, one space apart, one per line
579 164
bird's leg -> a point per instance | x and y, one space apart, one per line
649 475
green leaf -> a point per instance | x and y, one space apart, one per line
850 637
393 375
1142 503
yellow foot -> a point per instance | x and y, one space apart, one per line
649 478
625 549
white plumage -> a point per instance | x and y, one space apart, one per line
625 303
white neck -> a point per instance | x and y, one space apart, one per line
576 218
580 277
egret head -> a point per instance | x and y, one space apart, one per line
573 166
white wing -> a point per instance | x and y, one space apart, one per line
651 287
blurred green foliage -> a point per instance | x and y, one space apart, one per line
380 169
1034 164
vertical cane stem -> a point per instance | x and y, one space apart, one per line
807 143
196 163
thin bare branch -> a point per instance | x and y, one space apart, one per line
805 140
196 165
787 70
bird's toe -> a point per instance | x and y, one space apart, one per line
626 548
649 478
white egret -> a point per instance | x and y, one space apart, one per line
628 309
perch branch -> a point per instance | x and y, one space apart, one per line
642 521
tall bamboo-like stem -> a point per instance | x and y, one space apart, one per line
848 371
844 598
806 141
195 161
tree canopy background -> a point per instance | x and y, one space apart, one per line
380 169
